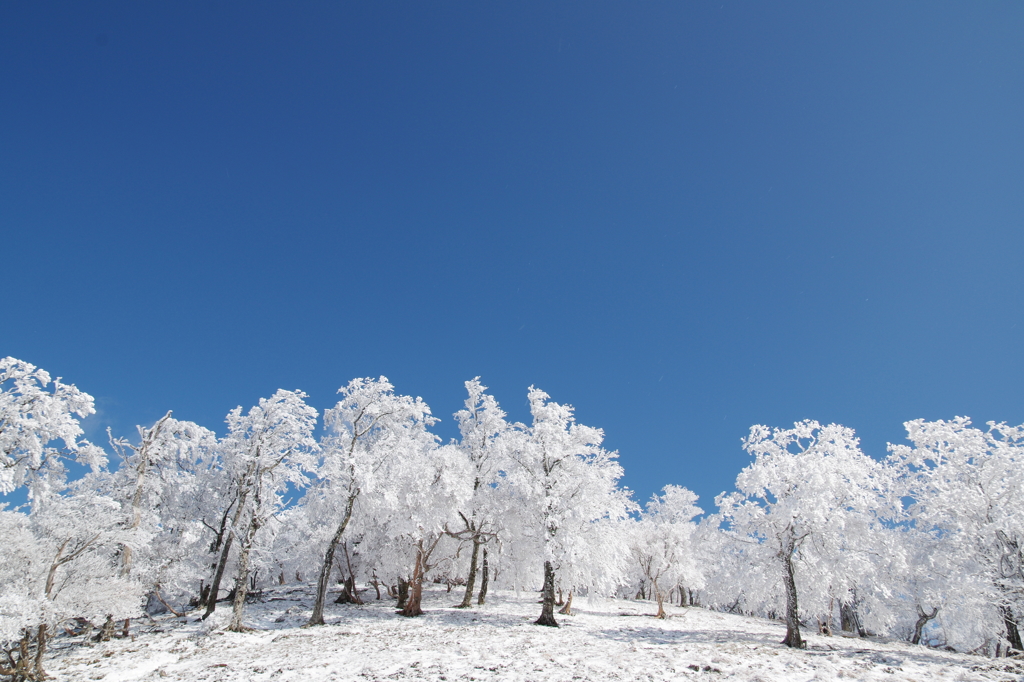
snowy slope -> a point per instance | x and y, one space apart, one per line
605 640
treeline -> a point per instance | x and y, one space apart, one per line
925 545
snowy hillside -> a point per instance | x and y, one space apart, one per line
606 640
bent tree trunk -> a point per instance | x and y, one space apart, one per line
484 576
922 620
547 614
325 569
793 638
467 598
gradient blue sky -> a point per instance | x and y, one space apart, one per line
682 218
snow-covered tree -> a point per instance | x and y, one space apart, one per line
965 487
430 484
35 412
265 451
60 562
485 443
164 485
662 543
804 511
369 430
567 485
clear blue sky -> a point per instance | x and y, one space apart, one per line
682 218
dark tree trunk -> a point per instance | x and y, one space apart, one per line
484 576
922 620
467 598
204 595
403 592
107 631
547 614
317 618
793 638
1012 630
849 620
348 592
211 600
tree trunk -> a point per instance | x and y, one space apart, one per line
108 629
211 600
567 609
242 579
39 673
793 638
484 576
547 614
467 598
922 620
1012 630
403 593
348 595
325 569
412 604
661 605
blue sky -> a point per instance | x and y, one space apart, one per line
682 218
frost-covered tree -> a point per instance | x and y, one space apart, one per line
36 412
485 443
369 430
567 485
804 512
265 451
663 545
965 487
164 484
60 562
430 484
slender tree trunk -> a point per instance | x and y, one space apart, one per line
484 578
242 579
467 598
661 605
412 604
39 673
325 569
567 609
547 614
793 638
922 620
211 600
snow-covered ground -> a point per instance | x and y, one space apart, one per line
604 640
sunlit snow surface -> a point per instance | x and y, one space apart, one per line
606 640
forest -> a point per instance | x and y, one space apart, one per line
923 545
